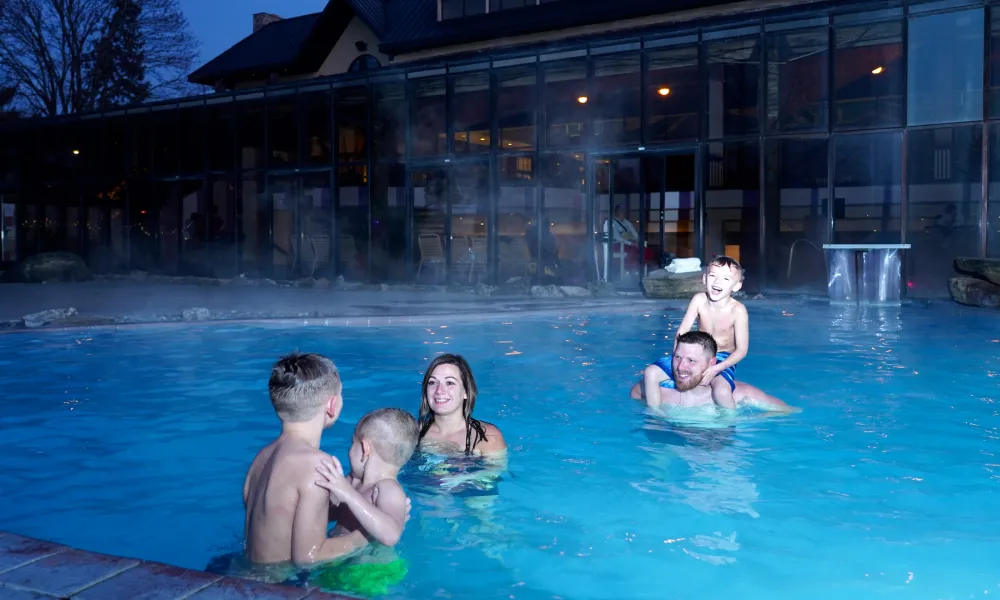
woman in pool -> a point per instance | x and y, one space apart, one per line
446 422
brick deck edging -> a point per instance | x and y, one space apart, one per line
33 569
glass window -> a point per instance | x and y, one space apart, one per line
352 221
617 104
389 121
475 7
316 128
251 135
496 5
732 206
452 9
388 223
566 103
470 113
945 67
869 76
797 95
993 212
430 219
944 204
559 242
282 132
191 156
994 78
114 147
469 197
254 222
733 82
673 95
221 137
797 219
350 113
517 208
867 179
166 155
429 120
516 103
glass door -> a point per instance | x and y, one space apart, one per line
8 228
450 219
301 226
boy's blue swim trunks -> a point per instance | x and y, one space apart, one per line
666 365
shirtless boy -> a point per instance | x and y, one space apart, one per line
694 355
370 503
725 320
287 514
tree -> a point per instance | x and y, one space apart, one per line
118 72
48 49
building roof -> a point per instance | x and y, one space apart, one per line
290 46
413 24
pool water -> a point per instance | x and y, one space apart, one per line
887 484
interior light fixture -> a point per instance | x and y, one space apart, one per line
877 71
663 91
582 99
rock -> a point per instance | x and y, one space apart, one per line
139 275
383 287
574 292
666 285
305 282
987 268
603 289
546 291
196 314
323 282
46 317
484 290
974 292
49 266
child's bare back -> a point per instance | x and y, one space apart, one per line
283 503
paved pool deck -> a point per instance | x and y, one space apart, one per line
33 569
125 302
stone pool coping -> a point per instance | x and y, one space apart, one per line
32 569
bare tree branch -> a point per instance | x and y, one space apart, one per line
45 50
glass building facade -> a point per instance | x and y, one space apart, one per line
759 138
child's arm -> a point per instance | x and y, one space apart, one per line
690 316
383 520
309 542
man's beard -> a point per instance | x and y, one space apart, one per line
689 384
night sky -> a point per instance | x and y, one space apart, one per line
218 24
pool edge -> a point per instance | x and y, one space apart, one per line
30 567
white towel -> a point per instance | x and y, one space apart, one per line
684 265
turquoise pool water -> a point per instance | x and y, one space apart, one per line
135 442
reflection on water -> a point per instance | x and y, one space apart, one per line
717 478
458 495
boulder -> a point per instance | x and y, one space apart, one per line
546 291
974 292
46 317
672 286
573 291
986 268
49 266
196 314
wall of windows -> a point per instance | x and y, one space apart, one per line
760 139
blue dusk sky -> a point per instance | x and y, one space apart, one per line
218 24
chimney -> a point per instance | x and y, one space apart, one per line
262 19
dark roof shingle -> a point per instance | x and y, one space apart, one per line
273 46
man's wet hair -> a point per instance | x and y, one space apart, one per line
728 262
300 384
393 433
700 338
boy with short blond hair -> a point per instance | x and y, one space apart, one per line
721 316
370 501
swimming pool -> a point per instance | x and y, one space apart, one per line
135 442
